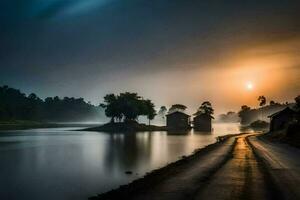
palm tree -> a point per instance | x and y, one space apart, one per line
262 101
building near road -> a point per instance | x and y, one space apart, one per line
202 122
178 120
280 120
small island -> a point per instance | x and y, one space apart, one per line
125 109
130 126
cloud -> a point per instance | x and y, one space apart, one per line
168 49
69 8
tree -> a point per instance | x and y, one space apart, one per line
205 108
149 110
112 107
130 105
162 111
244 114
127 106
272 103
262 101
245 108
297 100
33 97
33 107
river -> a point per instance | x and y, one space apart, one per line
63 164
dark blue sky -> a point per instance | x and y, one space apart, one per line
91 47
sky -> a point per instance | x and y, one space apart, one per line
171 51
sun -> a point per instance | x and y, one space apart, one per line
249 86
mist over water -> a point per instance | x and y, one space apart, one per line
61 164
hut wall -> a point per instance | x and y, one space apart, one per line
177 121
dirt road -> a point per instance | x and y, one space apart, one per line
236 169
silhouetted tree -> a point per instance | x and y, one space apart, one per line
262 101
297 100
272 103
128 106
205 108
149 110
112 107
162 111
244 114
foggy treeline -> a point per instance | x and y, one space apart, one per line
229 117
15 105
248 115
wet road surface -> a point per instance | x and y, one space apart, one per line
241 177
282 162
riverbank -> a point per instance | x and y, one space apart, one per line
203 162
126 127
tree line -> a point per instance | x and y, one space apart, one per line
127 106
15 105
229 117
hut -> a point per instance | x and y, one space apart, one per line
202 122
178 120
280 120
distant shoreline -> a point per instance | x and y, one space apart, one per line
23 125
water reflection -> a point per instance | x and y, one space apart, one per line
128 151
180 132
60 164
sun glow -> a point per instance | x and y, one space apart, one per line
249 86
